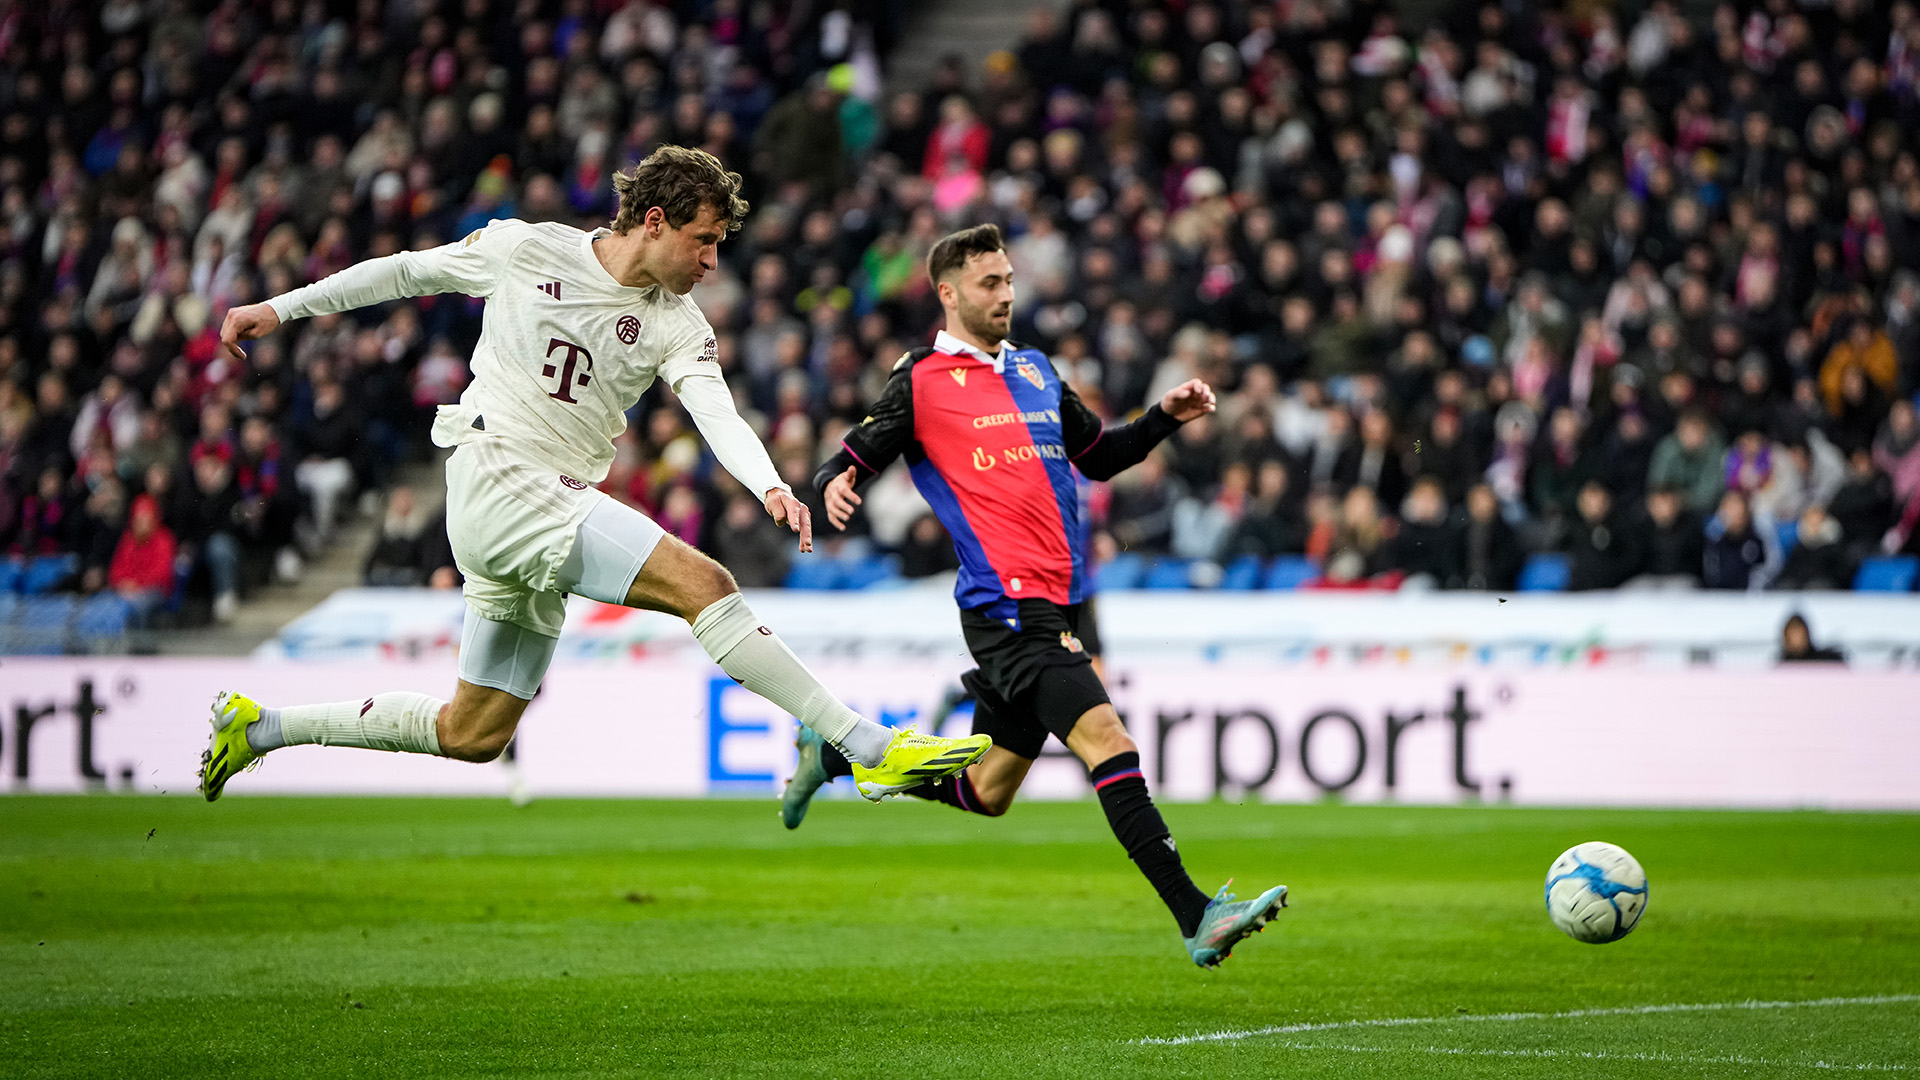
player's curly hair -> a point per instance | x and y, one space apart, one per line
952 251
679 180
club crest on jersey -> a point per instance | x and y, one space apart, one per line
1031 374
627 329
1071 643
959 375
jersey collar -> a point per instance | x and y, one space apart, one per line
953 346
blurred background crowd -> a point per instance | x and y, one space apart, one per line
1630 282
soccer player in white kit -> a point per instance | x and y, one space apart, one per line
577 325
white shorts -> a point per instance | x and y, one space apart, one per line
513 526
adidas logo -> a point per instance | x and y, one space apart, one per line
551 288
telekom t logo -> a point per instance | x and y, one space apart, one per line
575 354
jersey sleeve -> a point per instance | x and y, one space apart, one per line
471 266
690 349
887 430
738 449
1100 452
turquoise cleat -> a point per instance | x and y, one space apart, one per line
808 776
1227 922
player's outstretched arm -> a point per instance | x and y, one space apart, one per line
1101 452
736 446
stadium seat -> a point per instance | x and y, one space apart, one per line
816 572
47 573
40 625
1546 572
875 571
10 570
1291 572
1124 571
1788 533
102 622
1169 574
1243 574
1887 573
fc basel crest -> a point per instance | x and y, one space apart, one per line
1031 374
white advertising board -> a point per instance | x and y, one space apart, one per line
1611 629
674 726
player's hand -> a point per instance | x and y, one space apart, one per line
1188 400
792 513
840 498
245 324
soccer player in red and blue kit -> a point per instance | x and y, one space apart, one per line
991 435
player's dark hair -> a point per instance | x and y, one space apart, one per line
954 249
679 180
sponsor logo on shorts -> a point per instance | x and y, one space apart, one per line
766 631
628 329
577 485
1071 643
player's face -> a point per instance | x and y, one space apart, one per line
983 296
685 255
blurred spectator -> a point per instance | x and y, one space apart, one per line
748 543
1797 647
411 548
1272 523
1489 555
1818 559
1690 461
1424 545
1144 497
1671 543
1605 553
928 549
1734 553
142 568
209 531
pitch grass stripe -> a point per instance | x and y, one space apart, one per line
1598 1055
1571 1014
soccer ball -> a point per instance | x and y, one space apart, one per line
1596 892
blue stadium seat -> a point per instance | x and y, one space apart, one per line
1789 536
103 620
1243 574
816 572
40 625
1123 572
48 572
10 570
875 571
1291 572
1887 573
1169 574
1546 572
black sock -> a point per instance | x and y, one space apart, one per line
834 761
956 791
1137 825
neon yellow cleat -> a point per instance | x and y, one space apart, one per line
914 759
228 753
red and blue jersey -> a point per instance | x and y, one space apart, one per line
993 452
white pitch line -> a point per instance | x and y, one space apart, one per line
1571 1014
1599 1055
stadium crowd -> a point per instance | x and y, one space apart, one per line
1635 283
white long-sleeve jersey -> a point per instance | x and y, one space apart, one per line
565 350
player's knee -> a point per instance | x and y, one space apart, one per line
706 584
1101 736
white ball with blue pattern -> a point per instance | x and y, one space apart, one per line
1596 892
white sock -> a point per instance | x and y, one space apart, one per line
399 721
757 659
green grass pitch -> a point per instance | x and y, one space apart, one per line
290 937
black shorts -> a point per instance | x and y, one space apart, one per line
1035 680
